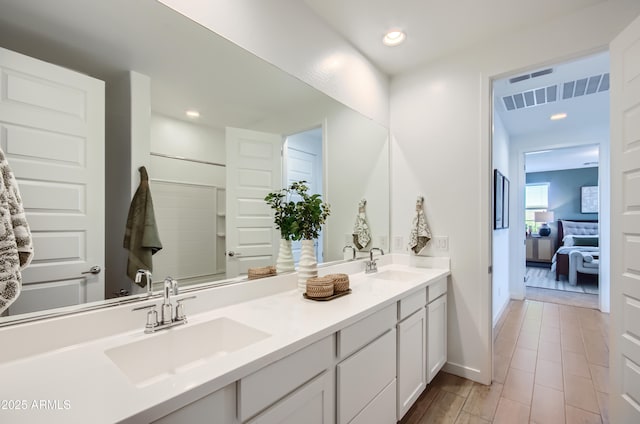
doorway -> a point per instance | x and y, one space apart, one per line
539 113
303 161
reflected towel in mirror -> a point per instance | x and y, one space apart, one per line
16 246
361 231
420 233
141 237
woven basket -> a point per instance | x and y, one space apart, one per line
340 282
319 287
265 271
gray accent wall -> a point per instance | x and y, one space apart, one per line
564 191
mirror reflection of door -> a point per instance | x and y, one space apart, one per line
253 170
303 162
52 133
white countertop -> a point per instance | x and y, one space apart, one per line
79 383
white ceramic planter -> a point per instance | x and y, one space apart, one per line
285 257
308 265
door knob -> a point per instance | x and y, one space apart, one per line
93 270
231 253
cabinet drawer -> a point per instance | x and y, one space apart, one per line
269 384
437 289
362 332
380 410
310 404
362 376
411 303
218 407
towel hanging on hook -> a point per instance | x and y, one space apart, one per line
361 231
420 233
16 245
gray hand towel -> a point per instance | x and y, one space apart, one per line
16 247
141 234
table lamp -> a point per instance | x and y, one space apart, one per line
544 217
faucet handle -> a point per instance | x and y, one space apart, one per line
152 317
180 315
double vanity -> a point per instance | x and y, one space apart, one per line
251 352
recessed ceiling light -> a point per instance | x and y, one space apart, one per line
558 116
394 37
193 113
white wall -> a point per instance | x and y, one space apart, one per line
126 149
440 117
289 35
501 252
356 152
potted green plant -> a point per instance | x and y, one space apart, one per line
284 218
299 216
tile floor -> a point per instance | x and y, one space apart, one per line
550 366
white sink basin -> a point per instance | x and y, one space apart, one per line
181 348
395 275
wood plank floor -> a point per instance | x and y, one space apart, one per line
550 366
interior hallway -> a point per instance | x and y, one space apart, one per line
550 366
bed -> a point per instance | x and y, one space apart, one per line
572 236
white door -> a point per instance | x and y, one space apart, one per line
625 226
52 132
253 170
304 163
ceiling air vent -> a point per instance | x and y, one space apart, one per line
566 90
585 86
531 75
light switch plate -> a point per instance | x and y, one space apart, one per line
441 243
398 243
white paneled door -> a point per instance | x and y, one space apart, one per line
52 132
625 226
253 170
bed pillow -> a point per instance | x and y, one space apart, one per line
570 240
585 241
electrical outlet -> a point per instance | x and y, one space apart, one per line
441 243
398 243
383 243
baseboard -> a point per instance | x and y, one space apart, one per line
464 372
500 317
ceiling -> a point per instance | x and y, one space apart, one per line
110 42
433 27
106 43
559 159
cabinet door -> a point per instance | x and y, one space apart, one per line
436 336
412 360
545 248
310 404
530 249
363 375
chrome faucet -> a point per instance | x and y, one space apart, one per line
353 250
371 265
147 274
167 318
170 287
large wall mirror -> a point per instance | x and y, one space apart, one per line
157 64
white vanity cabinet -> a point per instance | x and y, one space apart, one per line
436 328
310 404
366 375
412 350
218 407
299 385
